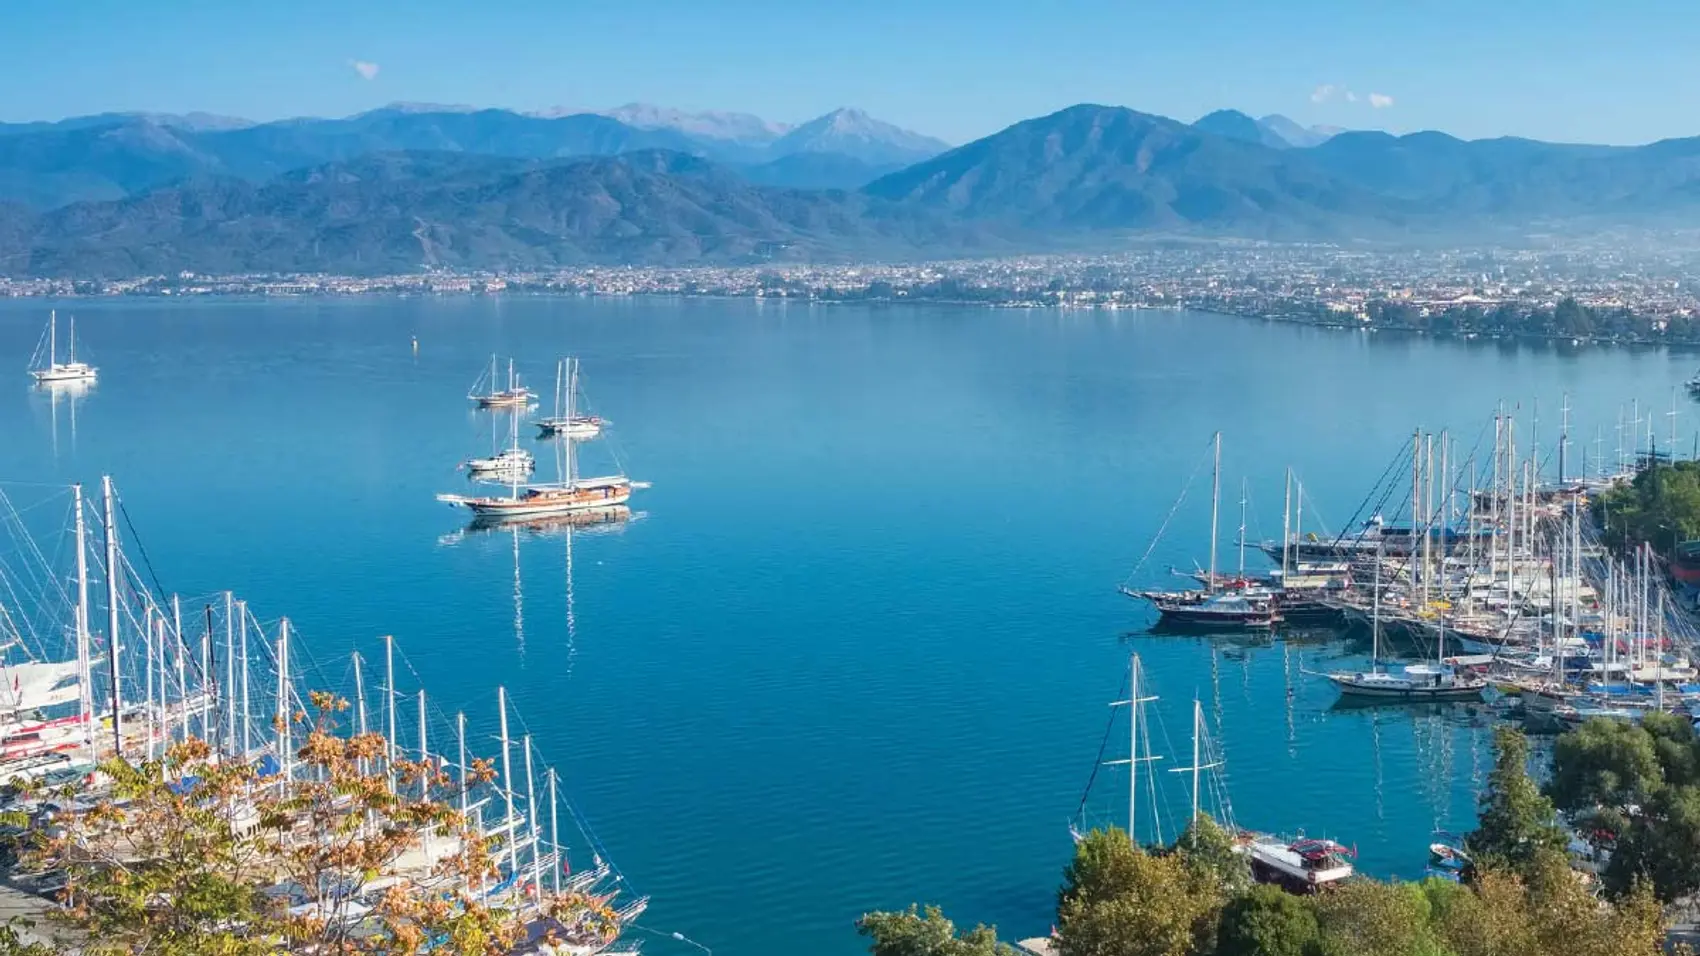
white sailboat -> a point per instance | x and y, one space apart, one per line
48 370
571 493
488 394
566 420
508 465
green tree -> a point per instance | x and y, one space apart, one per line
1118 900
1516 821
1607 763
916 932
1267 921
1370 918
1675 744
1209 850
1661 846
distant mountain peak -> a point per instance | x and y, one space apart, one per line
1237 125
1295 134
852 132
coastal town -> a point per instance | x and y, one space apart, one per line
1627 293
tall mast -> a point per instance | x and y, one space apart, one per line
85 664
206 676
228 693
1286 526
112 617
1470 529
1375 615
52 337
1215 504
507 781
1242 528
1198 763
1428 518
151 716
181 651
1564 439
531 820
460 743
554 837
1133 704
360 704
424 752
286 748
1416 507
389 709
242 625
1298 513
72 337
1197 725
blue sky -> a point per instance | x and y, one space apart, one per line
1576 70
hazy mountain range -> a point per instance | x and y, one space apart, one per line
115 155
412 186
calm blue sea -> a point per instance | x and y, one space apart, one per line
856 650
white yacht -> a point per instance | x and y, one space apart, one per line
48 370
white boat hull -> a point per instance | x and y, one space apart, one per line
64 373
1351 685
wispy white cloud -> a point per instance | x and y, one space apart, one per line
1380 101
1351 97
1323 93
367 69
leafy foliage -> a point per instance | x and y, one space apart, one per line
1367 918
1638 781
1209 850
1660 507
914 932
1267 921
1517 822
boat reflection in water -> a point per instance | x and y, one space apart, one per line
611 520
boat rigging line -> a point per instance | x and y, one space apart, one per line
1173 509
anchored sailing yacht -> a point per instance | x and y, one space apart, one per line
508 465
1418 682
52 371
1213 608
570 493
566 421
487 395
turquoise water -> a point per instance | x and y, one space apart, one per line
857 648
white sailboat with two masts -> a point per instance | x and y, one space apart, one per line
488 392
45 366
567 420
570 493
